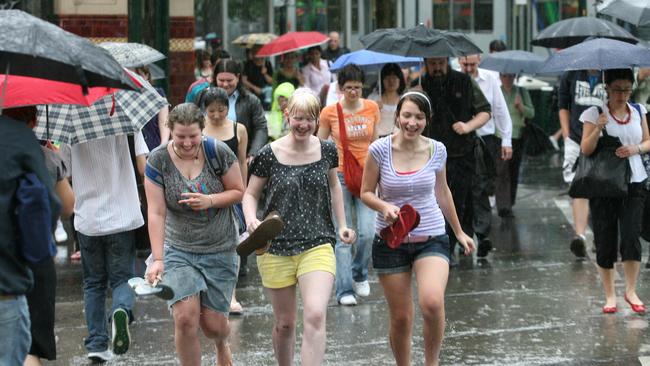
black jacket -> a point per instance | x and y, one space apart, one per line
251 114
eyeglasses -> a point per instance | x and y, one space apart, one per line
352 88
620 91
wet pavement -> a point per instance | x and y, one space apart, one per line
529 303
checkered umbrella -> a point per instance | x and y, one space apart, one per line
132 54
254 39
124 112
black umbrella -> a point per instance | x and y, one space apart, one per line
569 32
419 41
32 47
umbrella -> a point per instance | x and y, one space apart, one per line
513 62
254 39
569 32
371 59
122 113
132 54
290 42
157 72
419 41
636 12
598 54
35 48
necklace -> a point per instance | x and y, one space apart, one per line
196 157
626 120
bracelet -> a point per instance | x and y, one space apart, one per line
210 198
640 150
158 260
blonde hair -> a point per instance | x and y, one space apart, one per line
303 100
185 114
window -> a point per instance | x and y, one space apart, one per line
551 11
463 15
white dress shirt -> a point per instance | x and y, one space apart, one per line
103 181
316 78
500 117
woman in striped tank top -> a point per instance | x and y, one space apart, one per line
402 168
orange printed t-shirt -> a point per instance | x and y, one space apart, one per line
360 127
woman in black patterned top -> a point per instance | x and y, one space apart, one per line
299 173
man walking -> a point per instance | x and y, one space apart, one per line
334 50
459 109
107 212
499 147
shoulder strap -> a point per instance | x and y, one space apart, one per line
210 153
638 109
235 124
131 140
342 131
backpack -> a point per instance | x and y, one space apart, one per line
34 219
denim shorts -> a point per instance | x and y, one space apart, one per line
15 337
386 260
213 275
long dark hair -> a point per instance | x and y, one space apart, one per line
392 69
229 66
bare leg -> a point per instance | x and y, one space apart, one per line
431 274
186 330
215 327
607 276
631 270
315 290
580 208
283 301
32 360
397 290
557 135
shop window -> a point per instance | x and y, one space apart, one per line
483 16
441 14
463 15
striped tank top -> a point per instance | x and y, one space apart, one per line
415 188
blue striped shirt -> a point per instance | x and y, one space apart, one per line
417 189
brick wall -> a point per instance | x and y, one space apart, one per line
96 26
181 57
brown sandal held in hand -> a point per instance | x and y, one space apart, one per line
258 239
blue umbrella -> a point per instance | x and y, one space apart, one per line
372 59
598 54
513 62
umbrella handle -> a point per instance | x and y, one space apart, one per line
47 122
82 79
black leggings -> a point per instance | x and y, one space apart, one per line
615 218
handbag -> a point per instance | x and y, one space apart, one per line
535 140
34 219
645 157
601 174
352 170
142 233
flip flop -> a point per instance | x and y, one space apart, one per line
143 288
258 239
407 220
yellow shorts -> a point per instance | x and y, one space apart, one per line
283 271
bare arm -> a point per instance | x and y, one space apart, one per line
66 196
565 117
463 128
141 163
369 191
162 124
156 213
241 151
446 204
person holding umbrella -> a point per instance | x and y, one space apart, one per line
459 109
391 85
316 72
617 221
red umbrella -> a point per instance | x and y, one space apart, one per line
290 42
24 90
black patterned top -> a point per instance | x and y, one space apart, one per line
301 195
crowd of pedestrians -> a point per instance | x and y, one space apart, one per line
252 141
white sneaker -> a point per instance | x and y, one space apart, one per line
59 234
493 201
348 300
361 288
101 357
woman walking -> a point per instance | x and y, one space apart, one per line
617 221
192 183
391 87
360 118
408 168
298 172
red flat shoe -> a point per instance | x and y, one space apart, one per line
637 308
407 220
609 309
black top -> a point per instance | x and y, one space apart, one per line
233 143
332 55
279 77
454 98
20 153
301 195
576 95
254 73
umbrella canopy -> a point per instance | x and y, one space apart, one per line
132 54
21 91
122 113
513 62
254 39
419 41
598 54
33 47
372 59
569 32
636 12
290 42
